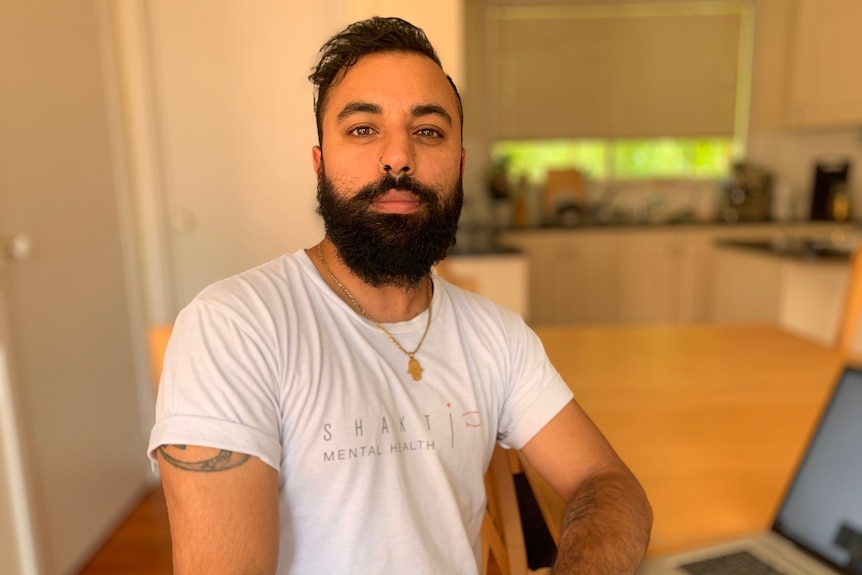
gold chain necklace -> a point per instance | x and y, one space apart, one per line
413 367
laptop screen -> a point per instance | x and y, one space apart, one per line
822 510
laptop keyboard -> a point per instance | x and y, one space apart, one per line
738 563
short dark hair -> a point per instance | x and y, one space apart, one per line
360 39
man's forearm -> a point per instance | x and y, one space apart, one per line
606 527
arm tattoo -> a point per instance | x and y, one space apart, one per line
581 506
221 461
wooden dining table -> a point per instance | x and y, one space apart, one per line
712 419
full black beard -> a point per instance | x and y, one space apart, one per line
390 249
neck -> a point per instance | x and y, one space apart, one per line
384 304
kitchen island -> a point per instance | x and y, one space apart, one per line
797 284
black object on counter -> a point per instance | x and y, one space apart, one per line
828 179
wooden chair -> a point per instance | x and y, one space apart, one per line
157 339
503 547
850 315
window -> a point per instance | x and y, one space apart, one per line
617 159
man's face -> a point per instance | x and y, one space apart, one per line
395 109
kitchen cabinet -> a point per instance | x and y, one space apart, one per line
624 275
747 287
825 83
663 278
591 267
572 277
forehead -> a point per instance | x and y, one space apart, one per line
395 81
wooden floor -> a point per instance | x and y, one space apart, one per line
140 546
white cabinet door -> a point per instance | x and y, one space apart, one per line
648 276
592 265
573 279
693 296
746 287
236 128
66 330
826 70
664 277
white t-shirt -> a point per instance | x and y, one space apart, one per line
378 473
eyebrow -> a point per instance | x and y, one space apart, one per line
358 108
431 109
371 108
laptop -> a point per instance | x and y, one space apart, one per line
818 527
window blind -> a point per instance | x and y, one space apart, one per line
615 71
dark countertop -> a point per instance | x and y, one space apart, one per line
482 250
796 249
479 241
482 240
671 224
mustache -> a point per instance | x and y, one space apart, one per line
388 182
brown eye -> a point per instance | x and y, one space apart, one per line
362 131
429 133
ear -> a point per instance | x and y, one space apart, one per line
463 160
317 157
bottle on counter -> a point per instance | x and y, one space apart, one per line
839 202
520 203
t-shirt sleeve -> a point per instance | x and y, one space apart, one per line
535 391
218 386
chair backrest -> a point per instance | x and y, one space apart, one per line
852 311
157 339
503 547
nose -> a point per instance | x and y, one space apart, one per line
397 156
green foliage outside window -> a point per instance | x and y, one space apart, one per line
618 159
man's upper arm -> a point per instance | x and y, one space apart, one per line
607 521
570 448
223 510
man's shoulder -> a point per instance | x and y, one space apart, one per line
277 273
270 283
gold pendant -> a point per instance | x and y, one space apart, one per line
414 369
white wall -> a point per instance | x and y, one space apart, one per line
442 21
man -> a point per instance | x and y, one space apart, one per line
334 411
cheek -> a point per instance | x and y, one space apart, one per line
345 177
448 171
